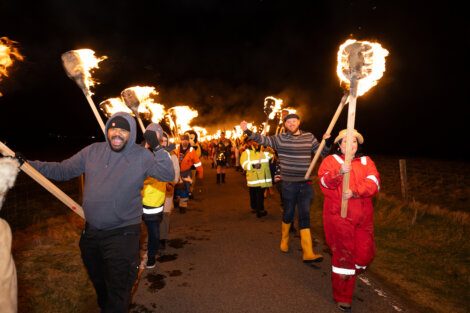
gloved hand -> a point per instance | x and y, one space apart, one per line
153 134
329 141
152 140
257 166
20 157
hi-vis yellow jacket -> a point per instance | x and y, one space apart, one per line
256 177
153 195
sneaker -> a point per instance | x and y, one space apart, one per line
151 263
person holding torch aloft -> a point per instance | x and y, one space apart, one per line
350 239
294 148
258 176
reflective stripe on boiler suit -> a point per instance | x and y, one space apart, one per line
350 239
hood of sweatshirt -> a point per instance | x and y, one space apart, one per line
133 131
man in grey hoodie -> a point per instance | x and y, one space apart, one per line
114 174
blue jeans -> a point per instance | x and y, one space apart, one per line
153 231
300 195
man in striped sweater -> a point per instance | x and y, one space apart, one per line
294 148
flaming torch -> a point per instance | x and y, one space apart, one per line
113 105
78 64
272 106
134 96
360 65
8 52
182 117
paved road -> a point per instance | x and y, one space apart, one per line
221 258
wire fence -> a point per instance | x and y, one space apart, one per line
442 183
28 202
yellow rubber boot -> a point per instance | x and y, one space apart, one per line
285 237
307 251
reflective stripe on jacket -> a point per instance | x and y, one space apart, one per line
189 160
256 177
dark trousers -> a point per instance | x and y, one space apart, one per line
300 195
153 234
111 258
257 198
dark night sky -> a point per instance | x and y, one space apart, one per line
225 57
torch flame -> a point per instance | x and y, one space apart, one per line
156 110
372 58
114 105
183 116
8 52
272 106
200 131
78 65
139 99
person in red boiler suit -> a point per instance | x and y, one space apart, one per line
350 239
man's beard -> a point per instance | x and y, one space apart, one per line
292 132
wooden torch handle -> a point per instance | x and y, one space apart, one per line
141 124
95 111
43 181
341 105
349 136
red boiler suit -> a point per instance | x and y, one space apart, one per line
350 239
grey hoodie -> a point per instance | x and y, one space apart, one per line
113 180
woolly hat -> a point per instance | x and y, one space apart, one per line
119 122
342 134
291 115
155 127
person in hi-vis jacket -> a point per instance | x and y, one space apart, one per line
258 175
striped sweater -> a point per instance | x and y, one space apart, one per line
294 151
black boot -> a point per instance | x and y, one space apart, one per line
223 178
218 179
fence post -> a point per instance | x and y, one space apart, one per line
403 179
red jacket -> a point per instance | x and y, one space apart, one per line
189 159
364 182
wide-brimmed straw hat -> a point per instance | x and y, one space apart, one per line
356 134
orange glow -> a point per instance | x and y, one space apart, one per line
8 53
364 59
79 64
273 106
182 116
114 105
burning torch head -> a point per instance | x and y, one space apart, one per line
131 99
73 67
